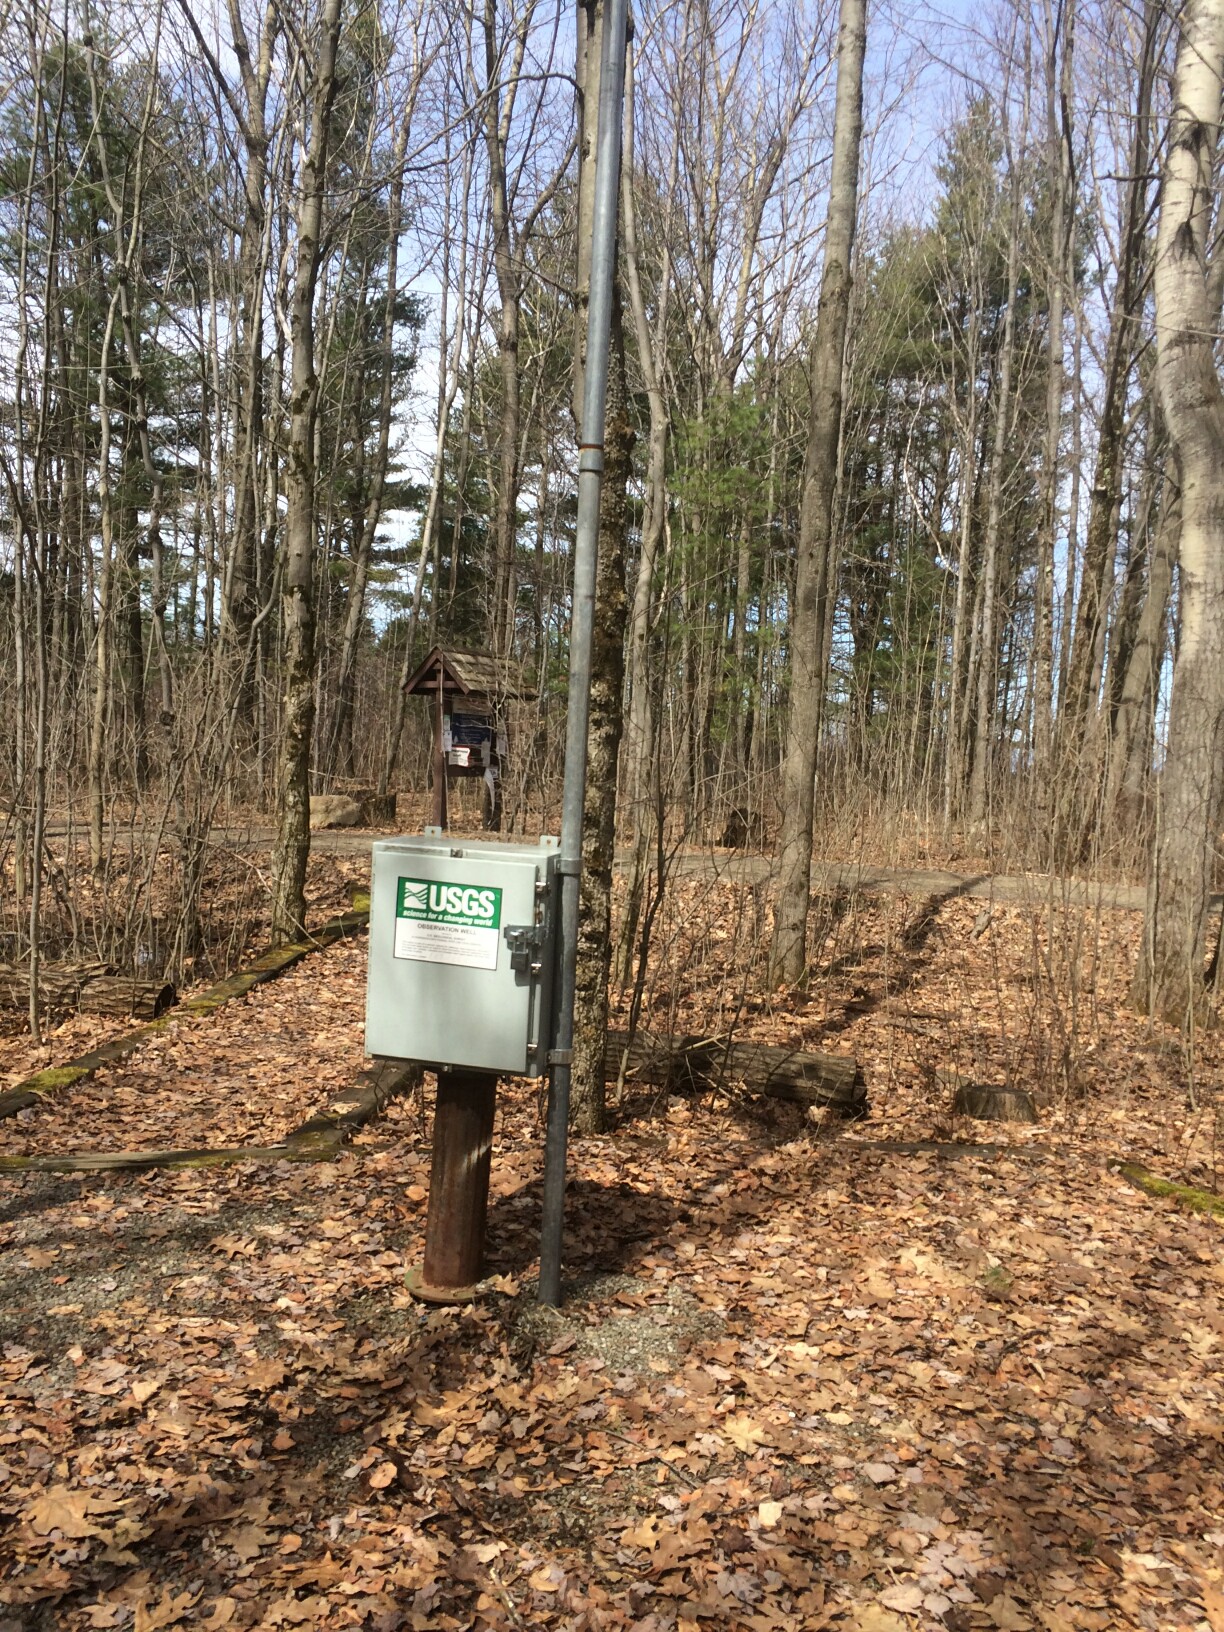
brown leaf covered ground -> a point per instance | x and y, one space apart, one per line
331 880
797 1383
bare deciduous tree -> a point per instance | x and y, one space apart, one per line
1170 979
813 590
292 847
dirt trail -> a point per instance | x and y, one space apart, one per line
739 868
745 868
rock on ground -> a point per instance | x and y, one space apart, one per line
334 810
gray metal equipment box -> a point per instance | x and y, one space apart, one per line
461 953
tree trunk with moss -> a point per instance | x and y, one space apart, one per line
587 1095
292 847
814 588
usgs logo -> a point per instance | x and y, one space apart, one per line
462 901
436 903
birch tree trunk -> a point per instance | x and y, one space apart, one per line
255 70
292 848
958 693
138 403
1169 980
1105 503
448 390
250 113
813 586
341 756
104 637
500 95
987 670
1130 748
1059 19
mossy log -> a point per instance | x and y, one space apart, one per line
144 1161
694 1063
319 1139
1186 1195
36 1088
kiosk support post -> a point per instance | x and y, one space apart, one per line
438 813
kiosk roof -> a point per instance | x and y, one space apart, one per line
468 673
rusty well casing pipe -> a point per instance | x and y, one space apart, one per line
459 1181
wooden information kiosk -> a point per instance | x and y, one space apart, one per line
469 691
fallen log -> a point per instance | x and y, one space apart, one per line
146 1161
1186 1195
690 1064
90 987
59 984
116 994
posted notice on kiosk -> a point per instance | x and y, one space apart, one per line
448 923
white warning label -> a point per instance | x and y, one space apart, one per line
448 923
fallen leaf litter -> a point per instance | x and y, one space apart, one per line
795 1385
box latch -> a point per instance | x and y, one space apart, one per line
524 941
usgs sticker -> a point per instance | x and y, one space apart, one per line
447 923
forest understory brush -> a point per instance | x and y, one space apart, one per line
926 989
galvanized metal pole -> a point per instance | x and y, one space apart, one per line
586 540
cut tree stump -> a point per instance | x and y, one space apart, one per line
377 809
694 1063
987 1102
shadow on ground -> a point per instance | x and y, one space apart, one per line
609 1228
910 945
